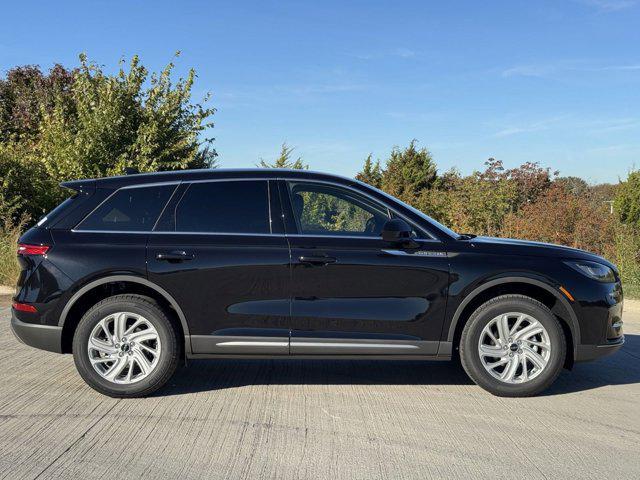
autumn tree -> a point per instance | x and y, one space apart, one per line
558 216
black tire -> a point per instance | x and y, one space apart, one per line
470 357
169 357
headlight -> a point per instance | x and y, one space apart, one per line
594 270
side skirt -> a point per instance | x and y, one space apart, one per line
196 356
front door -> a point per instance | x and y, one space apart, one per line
217 252
352 292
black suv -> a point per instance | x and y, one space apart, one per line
134 274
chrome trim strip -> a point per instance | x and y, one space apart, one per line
145 185
415 253
239 343
183 233
351 345
288 179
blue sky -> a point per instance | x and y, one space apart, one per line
549 81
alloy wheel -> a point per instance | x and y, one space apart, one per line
124 348
514 347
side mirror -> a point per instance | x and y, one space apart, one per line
396 230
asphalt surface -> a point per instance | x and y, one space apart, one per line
313 419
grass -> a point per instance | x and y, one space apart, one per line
9 268
631 291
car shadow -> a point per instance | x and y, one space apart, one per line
621 368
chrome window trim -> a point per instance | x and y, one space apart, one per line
189 183
144 185
358 237
364 194
232 234
267 179
229 234
129 187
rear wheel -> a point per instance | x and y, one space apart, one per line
126 346
513 346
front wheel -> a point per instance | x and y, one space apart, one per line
126 346
513 346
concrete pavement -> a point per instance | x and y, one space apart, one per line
314 419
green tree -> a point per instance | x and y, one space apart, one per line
285 160
77 123
408 172
120 122
627 201
205 158
371 173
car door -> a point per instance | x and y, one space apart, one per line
352 292
217 251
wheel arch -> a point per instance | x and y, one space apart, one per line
526 286
68 321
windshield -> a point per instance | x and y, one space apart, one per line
426 217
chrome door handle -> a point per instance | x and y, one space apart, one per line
175 256
316 260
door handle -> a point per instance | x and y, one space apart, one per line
175 256
316 260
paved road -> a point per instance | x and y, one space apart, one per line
316 420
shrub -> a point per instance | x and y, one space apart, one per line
9 234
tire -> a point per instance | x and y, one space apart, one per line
483 326
156 333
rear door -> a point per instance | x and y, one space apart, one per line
218 251
352 292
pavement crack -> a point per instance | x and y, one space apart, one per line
76 441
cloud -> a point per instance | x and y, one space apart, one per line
543 70
404 53
400 52
610 5
537 126
571 122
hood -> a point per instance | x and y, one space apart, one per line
510 246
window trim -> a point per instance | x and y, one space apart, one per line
289 180
75 229
429 236
216 180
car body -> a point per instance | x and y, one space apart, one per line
265 263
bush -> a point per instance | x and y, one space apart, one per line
9 234
627 243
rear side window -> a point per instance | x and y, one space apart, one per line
224 207
129 209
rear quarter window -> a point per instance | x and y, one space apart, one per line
129 209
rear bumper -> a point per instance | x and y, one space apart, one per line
585 353
44 337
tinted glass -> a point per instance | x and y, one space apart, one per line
129 209
224 207
326 210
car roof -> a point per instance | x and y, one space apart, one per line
203 174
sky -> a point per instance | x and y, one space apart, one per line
554 82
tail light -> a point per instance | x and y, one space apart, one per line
24 307
25 249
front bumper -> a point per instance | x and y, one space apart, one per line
585 353
44 337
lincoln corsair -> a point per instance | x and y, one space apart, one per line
135 274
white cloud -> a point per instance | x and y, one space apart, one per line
610 5
553 69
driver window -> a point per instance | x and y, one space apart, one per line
327 210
